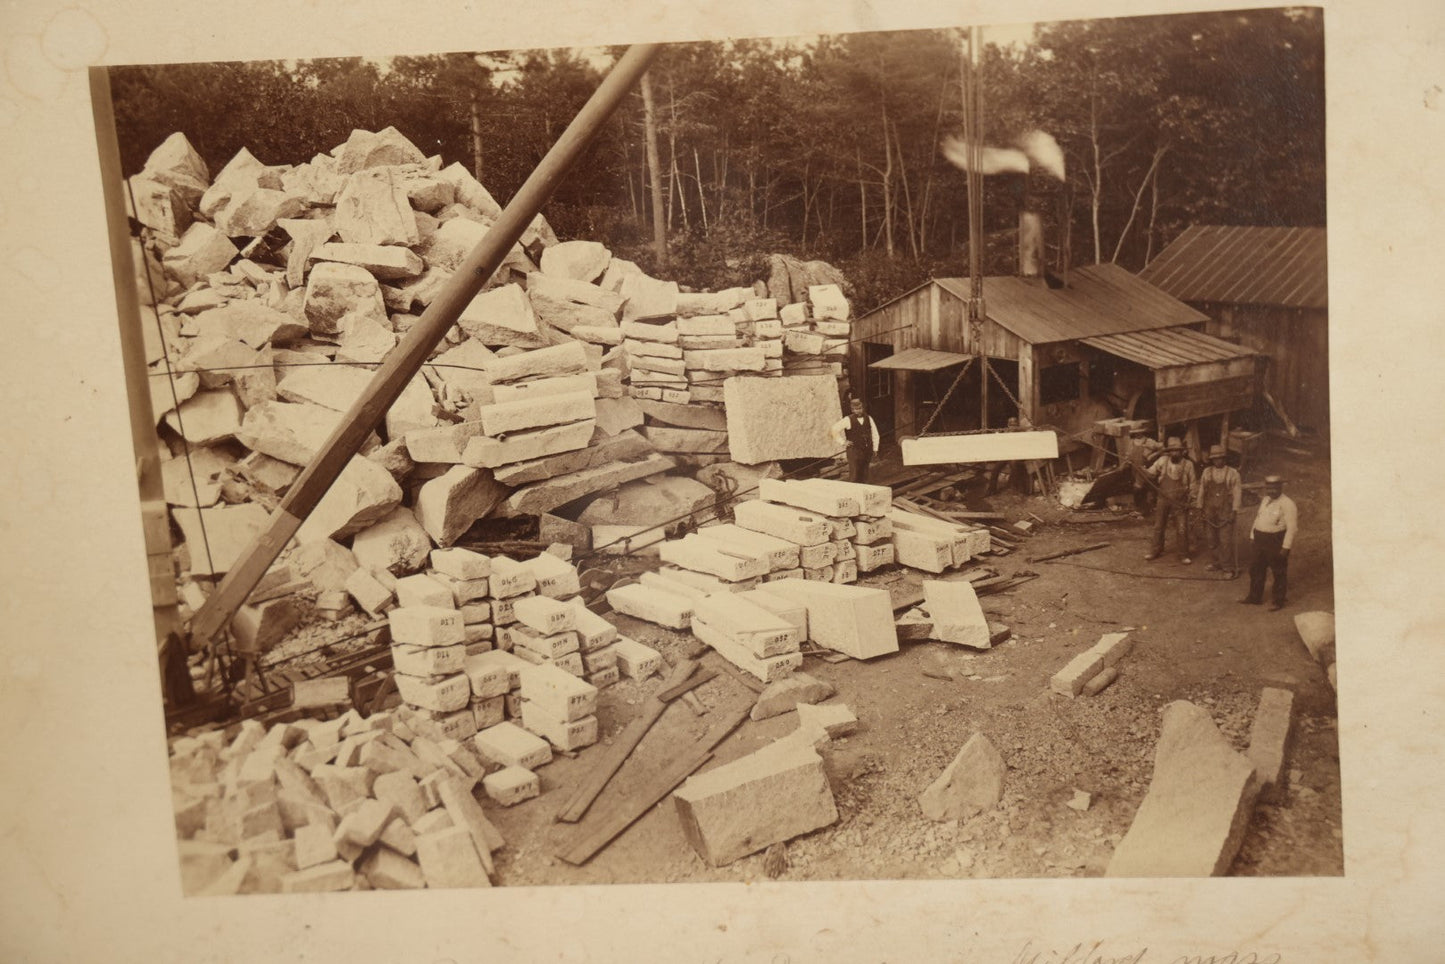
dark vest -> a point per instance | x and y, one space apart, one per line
860 434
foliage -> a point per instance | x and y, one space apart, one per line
826 147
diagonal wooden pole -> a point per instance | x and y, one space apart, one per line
414 349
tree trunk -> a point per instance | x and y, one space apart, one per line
701 197
887 187
1153 213
1138 196
659 228
1097 185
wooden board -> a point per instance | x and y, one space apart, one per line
984 447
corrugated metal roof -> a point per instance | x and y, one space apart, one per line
1168 347
1245 266
1100 299
921 360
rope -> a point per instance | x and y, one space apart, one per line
175 397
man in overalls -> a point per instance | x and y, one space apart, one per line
1174 477
859 437
1220 492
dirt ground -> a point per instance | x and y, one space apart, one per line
1193 641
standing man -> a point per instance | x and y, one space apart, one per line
1272 536
859 437
1174 477
1220 492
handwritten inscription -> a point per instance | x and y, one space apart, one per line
1097 953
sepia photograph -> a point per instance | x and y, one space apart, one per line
885 455
744 482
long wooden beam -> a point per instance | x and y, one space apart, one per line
412 352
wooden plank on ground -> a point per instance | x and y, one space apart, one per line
755 686
692 682
611 761
608 824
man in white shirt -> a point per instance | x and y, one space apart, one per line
858 435
1272 537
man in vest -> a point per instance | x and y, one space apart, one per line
859 437
1272 536
1220 492
1173 476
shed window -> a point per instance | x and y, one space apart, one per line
880 380
1059 383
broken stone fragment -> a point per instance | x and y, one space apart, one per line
397 543
972 783
373 209
365 149
207 417
324 563
503 316
337 291
254 211
576 260
217 537
784 695
362 494
290 432
1198 806
385 262
446 507
202 250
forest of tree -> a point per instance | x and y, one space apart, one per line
827 147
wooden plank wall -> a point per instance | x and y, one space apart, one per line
1297 343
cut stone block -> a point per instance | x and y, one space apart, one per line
426 626
509 786
442 443
449 858
784 695
503 316
869 531
400 790
704 555
423 590
446 507
853 620
635 660
547 495
385 262
652 347
647 297
562 734
794 614
493 673
699 583
623 447
749 359
387 870
334 387
555 577
921 550
510 578
686 440
533 646
447 695
784 522
761 630
990 447
739 652
1101 681
972 783
616 415
260 627
1112 647
1070 680
772 418
507 744
428 660
1269 737
557 693
957 615
766 797
1198 806
1317 631
506 417
569 358
462 564
652 605
780 553
545 615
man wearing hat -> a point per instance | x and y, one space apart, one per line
1272 536
1220 491
1174 478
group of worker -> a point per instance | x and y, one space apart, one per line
1216 495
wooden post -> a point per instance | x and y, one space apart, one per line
413 350
155 527
1028 384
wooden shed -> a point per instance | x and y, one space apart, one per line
1104 343
1266 289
